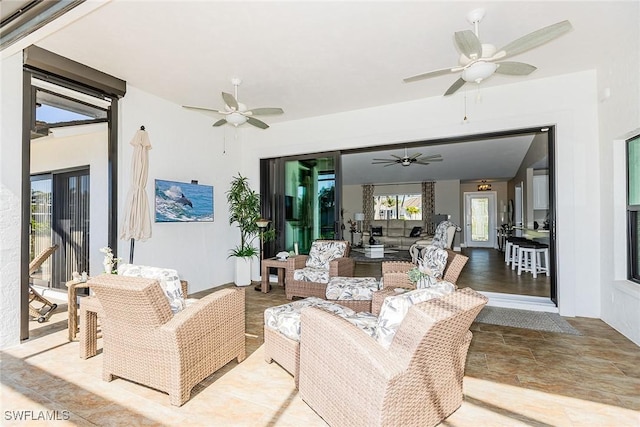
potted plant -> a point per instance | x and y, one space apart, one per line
244 210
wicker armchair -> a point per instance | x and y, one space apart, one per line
349 379
340 266
394 272
146 343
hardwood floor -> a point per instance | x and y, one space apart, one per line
485 271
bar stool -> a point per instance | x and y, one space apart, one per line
530 258
511 251
542 250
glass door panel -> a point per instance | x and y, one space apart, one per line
309 201
40 226
480 219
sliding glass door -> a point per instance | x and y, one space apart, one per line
301 195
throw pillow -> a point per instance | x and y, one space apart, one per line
433 261
168 279
415 232
395 308
376 231
323 252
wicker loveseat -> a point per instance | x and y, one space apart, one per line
146 343
308 275
349 379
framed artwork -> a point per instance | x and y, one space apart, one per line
183 202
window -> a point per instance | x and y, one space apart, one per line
633 207
398 206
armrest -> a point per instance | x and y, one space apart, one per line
341 346
206 316
341 267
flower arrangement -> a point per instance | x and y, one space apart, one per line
352 226
110 263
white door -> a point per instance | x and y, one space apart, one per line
480 219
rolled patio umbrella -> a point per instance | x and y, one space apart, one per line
136 223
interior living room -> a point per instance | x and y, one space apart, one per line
547 148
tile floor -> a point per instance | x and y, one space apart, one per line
514 377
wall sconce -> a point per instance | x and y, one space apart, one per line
484 186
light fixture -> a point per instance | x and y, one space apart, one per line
236 119
359 217
262 223
479 71
484 186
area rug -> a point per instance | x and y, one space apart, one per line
389 255
536 320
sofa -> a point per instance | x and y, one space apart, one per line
395 232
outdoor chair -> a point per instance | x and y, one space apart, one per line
43 312
349 379
144 342
394 272
308 275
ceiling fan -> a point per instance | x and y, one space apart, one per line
236 113
478 60
407 160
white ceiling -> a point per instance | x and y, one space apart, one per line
318 58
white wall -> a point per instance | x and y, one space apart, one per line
569 101
87 147
10 197
619 118
185 147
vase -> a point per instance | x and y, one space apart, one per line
372 241
243 271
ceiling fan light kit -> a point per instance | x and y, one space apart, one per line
478 60
236 113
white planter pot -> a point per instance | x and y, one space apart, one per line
243 271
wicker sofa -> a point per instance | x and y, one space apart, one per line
416 381
146 343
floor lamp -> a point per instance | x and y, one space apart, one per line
359 217
262 224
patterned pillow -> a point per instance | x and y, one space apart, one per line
433 261
322 253
168 279
395 308
415 232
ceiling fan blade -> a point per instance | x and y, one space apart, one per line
397 157
264 111
426 159
257 123
515 68
455 86
468 44
536 38
421 163
427 75
433 156
380 161
230 101
415 156
220 122
200 108
391 164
